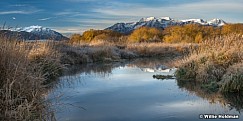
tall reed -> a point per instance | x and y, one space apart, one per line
212 63
22 81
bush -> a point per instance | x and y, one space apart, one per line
191 33
107 35
146 34
232 28
75 38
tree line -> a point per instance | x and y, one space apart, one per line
190 33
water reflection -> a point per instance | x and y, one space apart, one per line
104 69
231 100
123 91
100 69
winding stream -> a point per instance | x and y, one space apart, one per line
127 92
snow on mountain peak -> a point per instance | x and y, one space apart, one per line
162 23
200 21
147 19
154 18
34 28
216 22
39 32
166 18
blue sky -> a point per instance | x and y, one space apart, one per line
76 16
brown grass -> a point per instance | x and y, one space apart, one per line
46 56
233 78
22 78
212 60
102 51
159 49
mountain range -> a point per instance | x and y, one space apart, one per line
42 33
33 33
162 23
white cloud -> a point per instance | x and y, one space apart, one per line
18 12
13 12
18 5
44 19
204 9
69 29
71 13
66 12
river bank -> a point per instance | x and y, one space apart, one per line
27 69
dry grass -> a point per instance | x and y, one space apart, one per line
212 60
159 49
101 51
233 78
22 78
48 58
105 51
96 51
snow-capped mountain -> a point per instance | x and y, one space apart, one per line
216 22
40 33
162 23
189 21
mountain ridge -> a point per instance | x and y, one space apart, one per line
162 22
35 32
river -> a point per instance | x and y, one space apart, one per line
128 92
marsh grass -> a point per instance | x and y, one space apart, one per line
103 51
83 53
214 63
24 71
47 57
159 49
233 78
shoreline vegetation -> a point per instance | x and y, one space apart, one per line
217 65
211 57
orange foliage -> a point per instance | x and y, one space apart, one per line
146 34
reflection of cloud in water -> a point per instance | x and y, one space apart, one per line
169 71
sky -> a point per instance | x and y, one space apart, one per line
76 16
